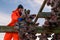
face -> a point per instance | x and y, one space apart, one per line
20 9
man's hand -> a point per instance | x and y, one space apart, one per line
20 19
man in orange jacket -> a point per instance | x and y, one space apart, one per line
16 14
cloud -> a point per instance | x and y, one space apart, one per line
47 8
36 4
4 18
10 1
41 21
38 1
32 4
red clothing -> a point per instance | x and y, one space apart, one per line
15 15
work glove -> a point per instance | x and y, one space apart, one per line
20 19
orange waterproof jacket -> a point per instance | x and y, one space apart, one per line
15 15
8 36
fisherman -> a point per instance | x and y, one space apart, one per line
15 16
26 26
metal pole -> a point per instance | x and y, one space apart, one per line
43 5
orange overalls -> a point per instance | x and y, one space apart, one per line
8 36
